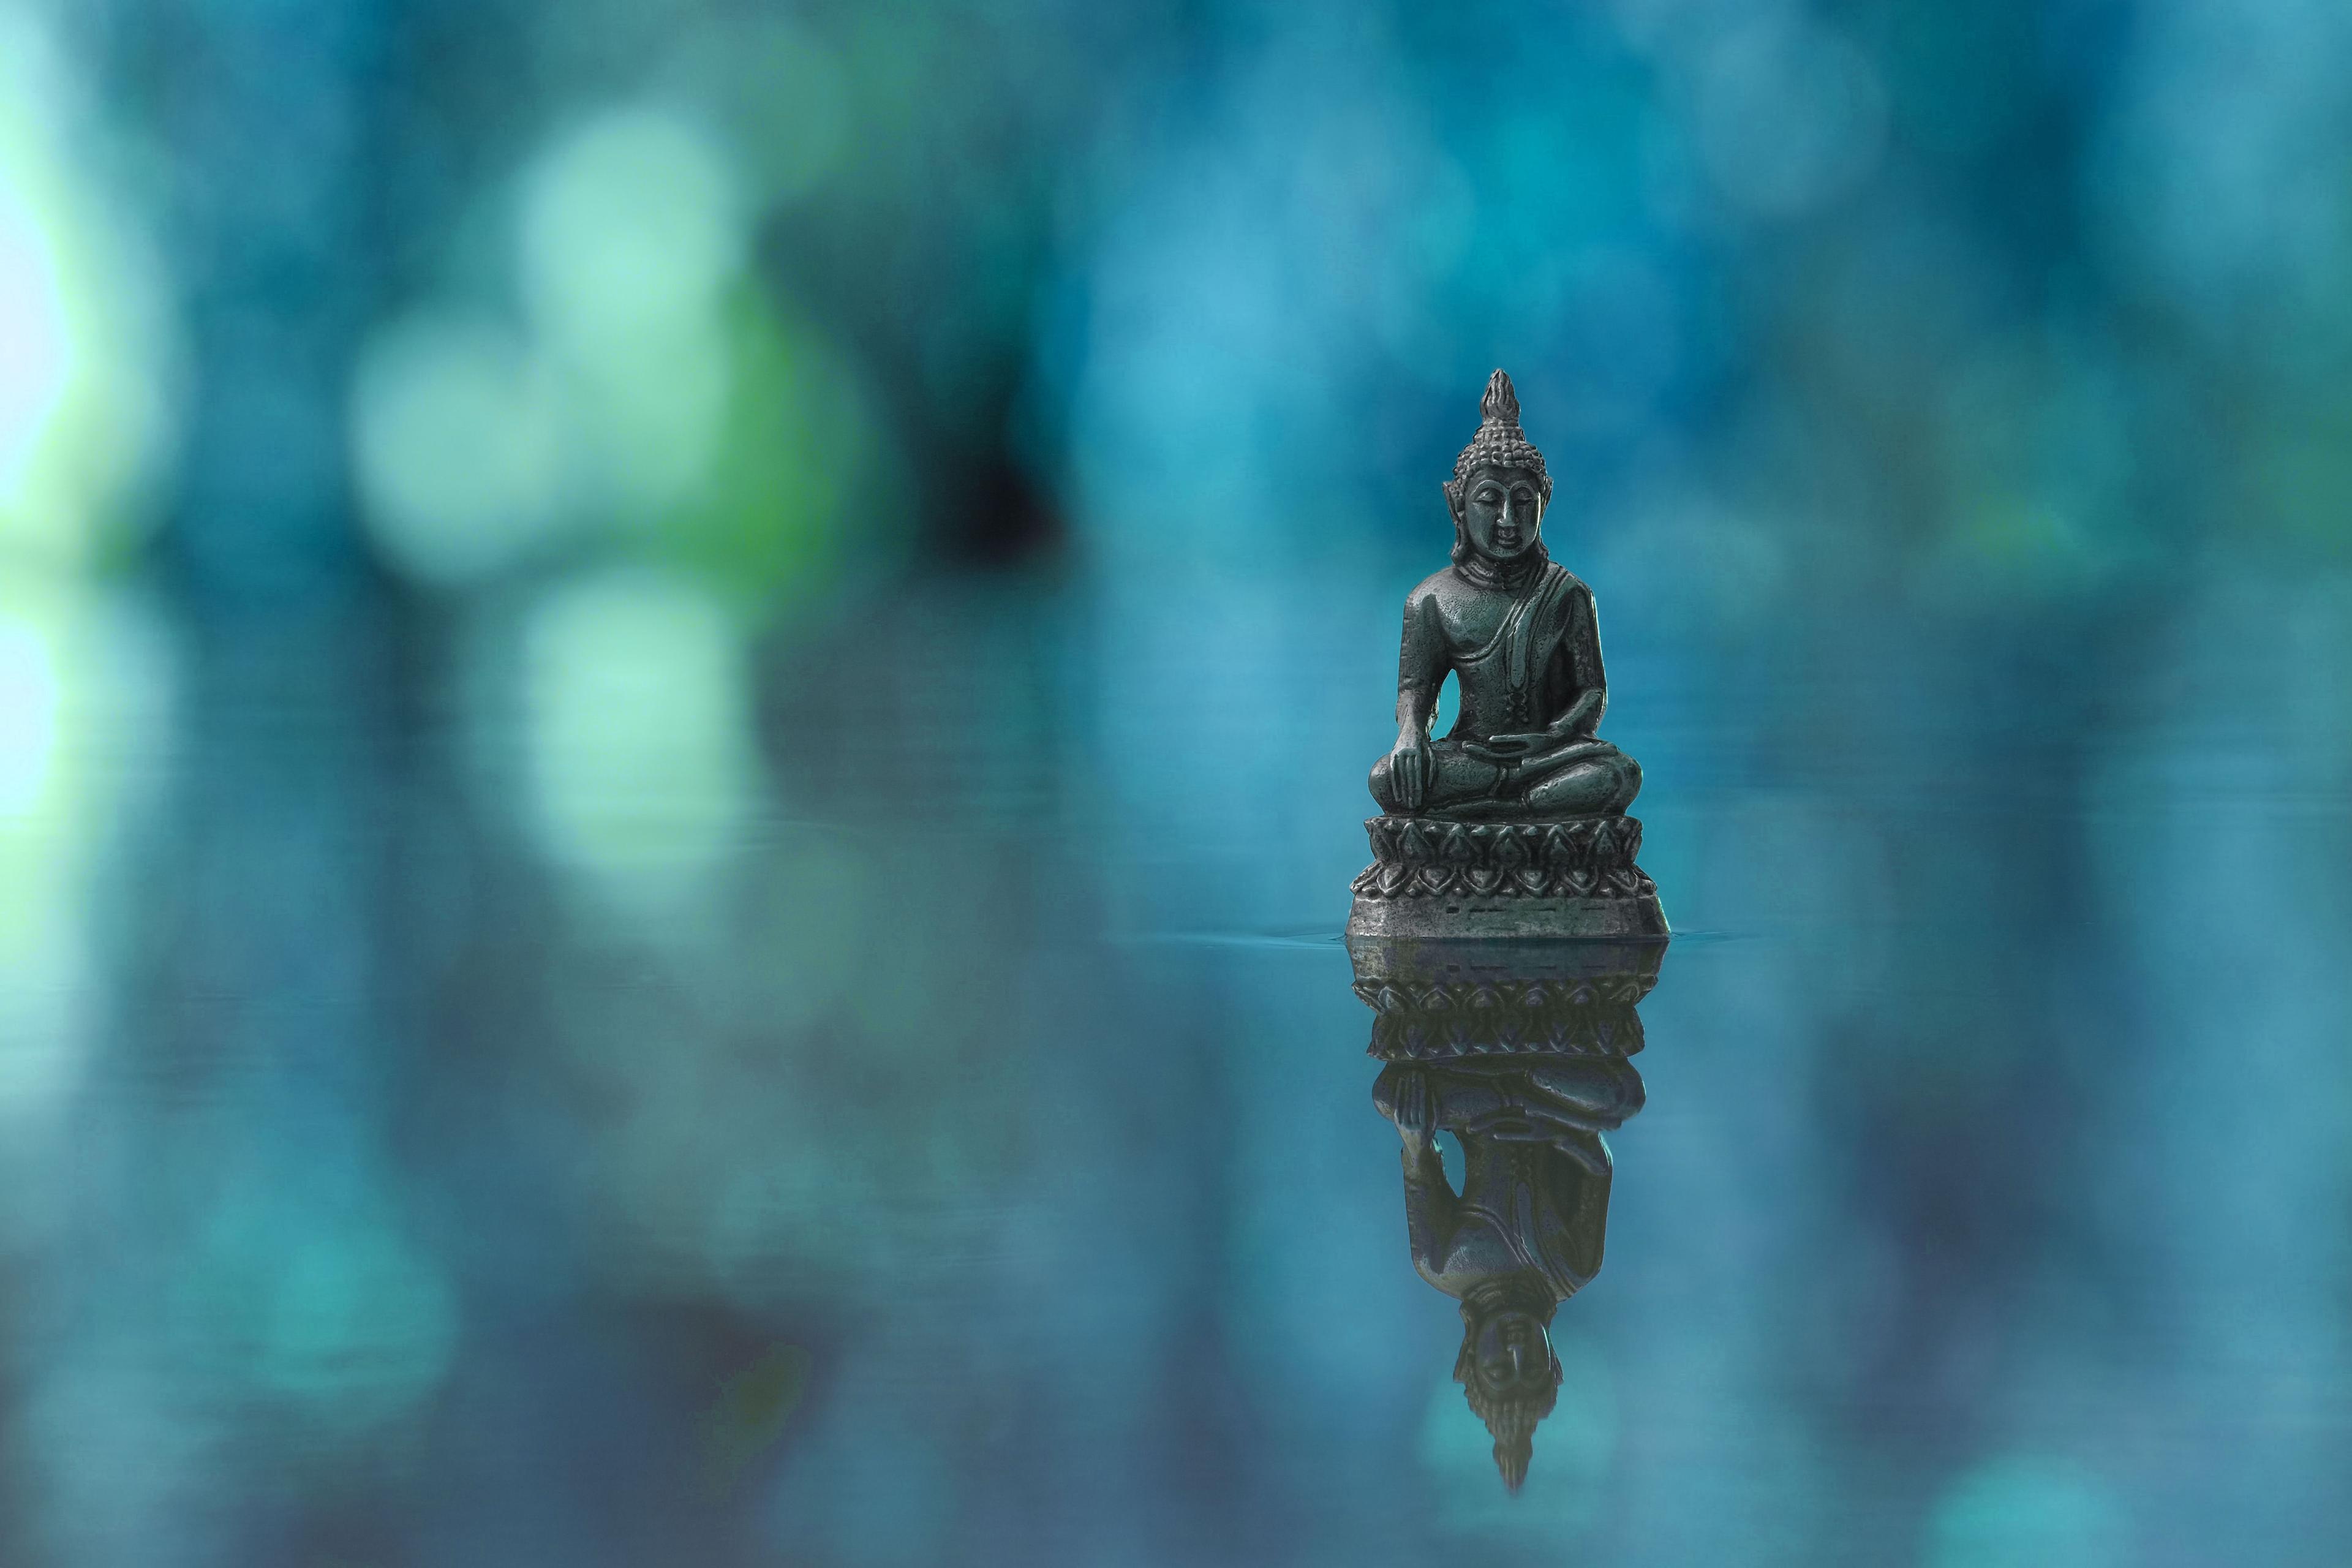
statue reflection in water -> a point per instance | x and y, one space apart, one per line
1520 1051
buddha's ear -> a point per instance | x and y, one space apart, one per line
1454 492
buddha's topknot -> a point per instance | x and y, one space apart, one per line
1499 443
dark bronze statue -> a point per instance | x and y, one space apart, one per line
1533 1073
1514 824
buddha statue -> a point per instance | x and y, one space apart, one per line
1514 824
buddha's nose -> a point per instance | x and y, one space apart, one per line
1518 1358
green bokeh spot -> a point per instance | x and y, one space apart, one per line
798 487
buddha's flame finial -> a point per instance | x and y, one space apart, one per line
1511 1458
1501 403
1498 443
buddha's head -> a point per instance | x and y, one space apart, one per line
1499 487
1508 1373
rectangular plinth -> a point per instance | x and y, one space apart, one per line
1448 916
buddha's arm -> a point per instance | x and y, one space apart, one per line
1581 717
1421 669
1407 1096
1432 1209
1421 665
1577 660
1414 705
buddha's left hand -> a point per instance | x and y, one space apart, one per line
1570 1138
1509 748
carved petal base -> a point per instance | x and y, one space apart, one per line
1504 1001
1575 878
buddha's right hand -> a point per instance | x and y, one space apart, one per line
1415 1115
1409 769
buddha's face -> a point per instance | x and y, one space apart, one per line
1501 510
1513 1352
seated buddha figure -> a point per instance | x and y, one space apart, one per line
1517 630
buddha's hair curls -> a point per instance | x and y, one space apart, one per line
1510 1414
1499 443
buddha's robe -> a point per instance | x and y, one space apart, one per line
1541 654
1524 654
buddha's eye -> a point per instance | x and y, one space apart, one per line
1490 496
1523 495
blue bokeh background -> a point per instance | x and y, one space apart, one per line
684 692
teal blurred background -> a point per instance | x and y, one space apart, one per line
684 696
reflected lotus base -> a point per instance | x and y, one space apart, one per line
1446 999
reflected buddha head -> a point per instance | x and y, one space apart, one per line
1500 485
1508 1370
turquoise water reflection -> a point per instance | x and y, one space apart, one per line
953 1139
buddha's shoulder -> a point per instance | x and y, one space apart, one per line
1446 589
1571 591
1431 587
